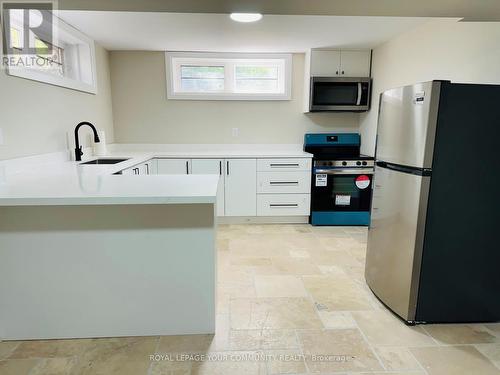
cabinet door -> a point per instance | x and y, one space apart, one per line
325 63
240 187
129 171
355 63
212 166
174 166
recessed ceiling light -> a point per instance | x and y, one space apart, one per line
245 17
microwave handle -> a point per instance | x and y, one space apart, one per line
360 92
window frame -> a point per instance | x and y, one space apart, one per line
174 60
63 32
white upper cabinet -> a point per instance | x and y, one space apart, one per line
340 63
355 63
241 187
174 166
325 63
212 166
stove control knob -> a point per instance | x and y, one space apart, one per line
358 163
365 163
344 163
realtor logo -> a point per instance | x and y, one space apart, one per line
27 28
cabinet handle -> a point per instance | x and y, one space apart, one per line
136 170
283 205
220 167
283 182
284 165
227 167
147 168
187 167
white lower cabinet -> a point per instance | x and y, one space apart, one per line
173 166
212 166
145 168
284 182
247 187
283 204
240 187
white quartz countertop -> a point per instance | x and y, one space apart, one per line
56 181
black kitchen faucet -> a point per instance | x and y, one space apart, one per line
78 148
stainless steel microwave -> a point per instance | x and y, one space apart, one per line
340 94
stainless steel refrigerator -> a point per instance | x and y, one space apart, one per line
433 250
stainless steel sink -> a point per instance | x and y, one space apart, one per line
103 161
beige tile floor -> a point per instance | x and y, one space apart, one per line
291 300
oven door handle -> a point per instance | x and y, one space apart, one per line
344 171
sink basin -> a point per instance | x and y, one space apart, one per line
103 161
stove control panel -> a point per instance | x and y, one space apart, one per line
344 163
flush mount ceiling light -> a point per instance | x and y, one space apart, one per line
246 17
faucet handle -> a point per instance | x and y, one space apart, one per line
80 150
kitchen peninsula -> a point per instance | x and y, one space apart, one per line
85 253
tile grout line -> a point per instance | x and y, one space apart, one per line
369 344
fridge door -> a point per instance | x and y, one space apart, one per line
407 124
395 238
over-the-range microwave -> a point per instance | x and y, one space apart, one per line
340 94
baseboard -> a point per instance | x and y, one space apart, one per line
263 220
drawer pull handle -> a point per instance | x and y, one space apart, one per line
283 205
284 165
283 182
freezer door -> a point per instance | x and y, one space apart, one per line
395 238
407 124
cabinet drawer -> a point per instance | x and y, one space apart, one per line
283 204
284 164
284 182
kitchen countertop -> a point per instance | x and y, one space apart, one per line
57 181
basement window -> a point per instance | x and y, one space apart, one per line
64 57
222 76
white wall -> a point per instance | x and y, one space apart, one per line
35 116
142 114
444 49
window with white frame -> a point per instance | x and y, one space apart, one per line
222 76
70 64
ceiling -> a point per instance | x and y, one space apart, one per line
217 32
470 10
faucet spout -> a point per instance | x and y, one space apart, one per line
78 148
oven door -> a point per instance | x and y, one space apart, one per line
339 94
342 190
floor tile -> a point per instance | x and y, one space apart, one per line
279 286
343 350
285 362
7 347
55 366
262 339
337 293
454 360
117 356
456 334
337 319
50 348
230 363
491 351
396 358
294 266
383 329
17 366
273 313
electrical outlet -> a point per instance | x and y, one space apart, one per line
235 132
